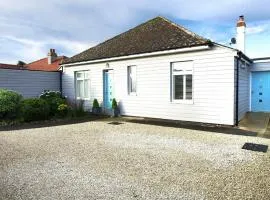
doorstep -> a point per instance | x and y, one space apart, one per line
256 122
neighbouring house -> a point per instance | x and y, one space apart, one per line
50 63
32 79
162 70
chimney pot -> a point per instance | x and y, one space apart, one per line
241 34
51 56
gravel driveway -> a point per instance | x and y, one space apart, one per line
96 160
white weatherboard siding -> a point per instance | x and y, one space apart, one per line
213 86
261 66
29 83
244 90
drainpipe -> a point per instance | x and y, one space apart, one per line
61 85
237 89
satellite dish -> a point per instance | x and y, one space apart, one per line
233 41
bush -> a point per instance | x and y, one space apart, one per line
10 104
79 108
62 110
76 108
35 109
95 103
54 99
114 103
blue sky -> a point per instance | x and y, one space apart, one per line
29 28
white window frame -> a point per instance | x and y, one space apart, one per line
182 68
132 93
84 78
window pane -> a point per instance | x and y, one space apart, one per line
80 88
86 75
178 87
132 79
79 75
188 86
133 85
86 88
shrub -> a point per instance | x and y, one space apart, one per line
95 103
10 104
54 99
35 109
79 108
62 110
114 103
76 108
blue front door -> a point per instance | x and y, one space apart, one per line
260 93
108 89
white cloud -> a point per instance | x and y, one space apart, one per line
35 49
256 29
72 26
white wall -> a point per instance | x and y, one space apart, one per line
29 83
244 90
213 86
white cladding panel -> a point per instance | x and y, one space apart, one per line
244 90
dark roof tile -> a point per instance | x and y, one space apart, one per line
158 34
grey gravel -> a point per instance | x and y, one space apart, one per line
95 160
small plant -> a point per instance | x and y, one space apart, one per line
95 108
115 108
95 103
114 103
34 109
62 110
10 104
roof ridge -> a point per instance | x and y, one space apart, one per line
139 25
146 22
8 64
183 28
58 58
165 33
36 61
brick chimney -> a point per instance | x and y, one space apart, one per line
51 56
241 34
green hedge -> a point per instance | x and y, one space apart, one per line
10 104
35 109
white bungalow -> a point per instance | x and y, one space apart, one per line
162 70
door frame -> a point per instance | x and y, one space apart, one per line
251 89
106 110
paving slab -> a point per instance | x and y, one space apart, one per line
255 122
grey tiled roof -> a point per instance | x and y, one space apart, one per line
158 34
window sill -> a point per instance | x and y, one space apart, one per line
132 94
182 102
83 99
